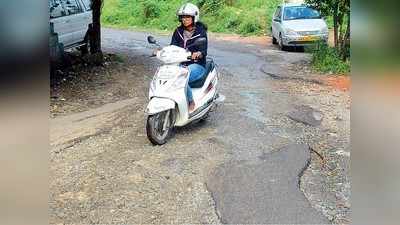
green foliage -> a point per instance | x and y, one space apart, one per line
151 9
327 7
211 6
249 26
327 59
232 20
246 17
338 12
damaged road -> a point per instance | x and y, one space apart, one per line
267 192
248 163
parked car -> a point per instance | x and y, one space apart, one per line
72 20
296 24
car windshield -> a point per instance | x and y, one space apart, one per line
300 12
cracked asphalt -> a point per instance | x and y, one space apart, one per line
248 163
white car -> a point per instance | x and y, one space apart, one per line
295 24
71 20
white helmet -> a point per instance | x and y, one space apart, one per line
189 9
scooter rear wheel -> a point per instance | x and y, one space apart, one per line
156 133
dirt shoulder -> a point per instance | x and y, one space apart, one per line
83 86
326 182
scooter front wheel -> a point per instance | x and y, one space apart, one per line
158 127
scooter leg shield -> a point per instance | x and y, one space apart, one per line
157 105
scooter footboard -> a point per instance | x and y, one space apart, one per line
157 105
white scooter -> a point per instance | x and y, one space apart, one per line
168 106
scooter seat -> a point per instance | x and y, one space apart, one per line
209 67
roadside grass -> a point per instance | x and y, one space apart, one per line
244 17
326 59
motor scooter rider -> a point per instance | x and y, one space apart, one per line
184 35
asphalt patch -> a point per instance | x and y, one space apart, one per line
306 115
264 193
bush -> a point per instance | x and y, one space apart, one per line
327 60
212 6
249 26
151 9
231 20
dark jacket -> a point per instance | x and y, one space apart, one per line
201 31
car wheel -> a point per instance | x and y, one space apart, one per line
86 47
281 45
274 41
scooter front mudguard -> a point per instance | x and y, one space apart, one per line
157 105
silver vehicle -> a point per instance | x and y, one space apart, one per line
71 20
296 24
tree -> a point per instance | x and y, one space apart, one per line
95 32
340 12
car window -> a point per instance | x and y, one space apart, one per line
59 8
72 7
88 4
56 9
276 15
300 12
279 13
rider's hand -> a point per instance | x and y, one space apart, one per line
196 55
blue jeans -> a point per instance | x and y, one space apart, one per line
196 73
